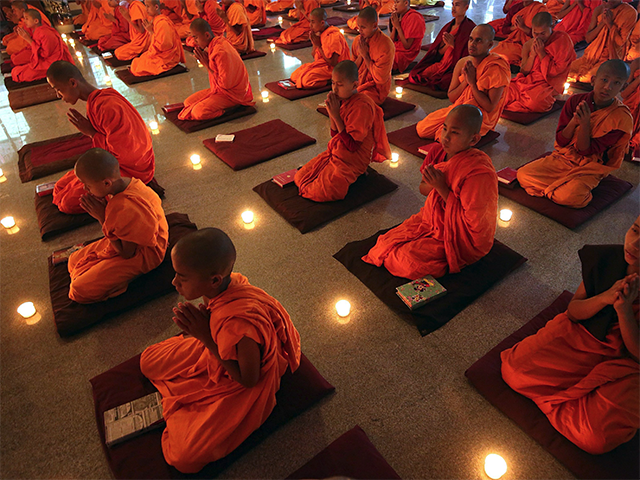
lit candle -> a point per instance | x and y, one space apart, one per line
348 2
343 308
395 157
265 96
399 90
79 54
153 125
64 37
8 222
505 214
495 466
195 159
273 47
27 310
279 19
342 31
247 217
566 88
72 42
1 173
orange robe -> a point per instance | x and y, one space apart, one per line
14 42
413 27
121 132
299 32
375 81
328 176
576 22
119 33
134 215
173 10
553 7
318 72
243 41
633 102
208 415
444 237
256 12
96 25
535 91
511 47
568 175
352 22
47 47
633 50
279 5
493 72
81 19
164 53
140 41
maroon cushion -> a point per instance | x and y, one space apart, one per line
428 18
462 288
408 140
268 32
295 46
254 54
527 118
334 4
130 79
258 144
71 317
352 455
425 47
6 66
190 126
390 107
296 93
347 8
32 95
279 12
406 70
305 215
141 457
39 159
336 21
356 32
88 42
422 89
485 375
115 62
12 85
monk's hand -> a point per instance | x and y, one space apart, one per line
148 26
582 115
470 73
538 48
519 22
448 39
364 47
81 122
94 206
395 21
24 34
608 17
435 178
333 105
109 17
200 5
193 321
627 294
125 13
201 55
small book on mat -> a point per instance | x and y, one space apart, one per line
284 179
174 107
133 418
420 292
221 138
287 84
62 255
45 189
508 176
425 149
107 55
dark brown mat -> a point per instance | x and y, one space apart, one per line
190 126
115 63
294 46
587 87
296 93
254 54
29 96
39 159
422 89
130 79
391 108
12 85
528 118
347 8
268 32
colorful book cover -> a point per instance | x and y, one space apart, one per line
287 84
420 292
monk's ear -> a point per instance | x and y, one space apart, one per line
216 281
475 139
593 80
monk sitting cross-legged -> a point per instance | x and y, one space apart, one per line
219 379
591 140
633 52
511 47
207 10
299 32
97 25
456 225
481 79
631 98
503 26
113 124
407 29
378 5
329 48
279 5
136 15
256 12
119 29
575 18
358 138
238 27
15 43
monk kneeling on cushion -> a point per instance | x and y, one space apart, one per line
135 14
591 140
359 138
581 368
299 32
407 29
238 27
456 226
135 230
119 29
219 379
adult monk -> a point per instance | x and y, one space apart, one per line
219 379
631 98
503 26
373 53
165 51
608 37
119 29
14 42
435 69
633 52
457 223
279 6
591 140
329 48
546 59
97 25
481 79
358 138
228 77
135 230
136 14
511 47
113 124
238 27
575 18
407 29
299 32
256 12
581 368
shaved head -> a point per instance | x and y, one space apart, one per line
208 252
617 68
469 115
200 25
486 31
319 13
19 5
369 15
347 69
62 71
97 165
542 19
33 14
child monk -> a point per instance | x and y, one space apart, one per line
591 140
358 138
238 27
219 379
14 42
546 59
581 368
165 50
97 25
575 18
455 228
481 79
407 29
119 29
136 15
373 53
329 48
113 124
299 32
511 47
631 98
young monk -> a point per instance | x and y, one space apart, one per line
329 48
631 98
380 6
14 42
546 59
358 138
502 26
407 29
299 31
113 124
575 18
456 226
207 10
481 79
136 15
219 379
581 368
373 53
97 25
165 51
135 230
119 29
435 70
591 140
238 27
511 47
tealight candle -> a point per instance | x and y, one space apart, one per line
265 94
247 216
273 47
505 214
395 157
199 64
64 36
343 308
153 125
399 90
348 2
72 42
27 310
195 159
495 466
1 173
8 222
342 31
79 54
279 19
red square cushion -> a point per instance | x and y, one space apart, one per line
390 107
39 159
130 79
408 140
296 93
190 126
527 118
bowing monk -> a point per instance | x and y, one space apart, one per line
407 29
456 225
238 27
358 138
135 14
219 379
135 230
435 70
591 140
575 18
511 47
119 29
481 79
631 98
165 51
256 12
329 48
113 124
581 368
546 59
299 32
97 25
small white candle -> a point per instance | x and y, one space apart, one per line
505 214
342 31
348 2
272 46
265 94
153 125
395 157
199 64
195 159
495 466
399 90
27 310
72 42
343 308
79 54
1 173
64 36
280 19
8 222
247 216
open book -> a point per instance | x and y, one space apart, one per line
133 418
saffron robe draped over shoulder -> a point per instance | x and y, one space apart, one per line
97 25
119 33
375 81
14 42
502 26
140 41
298 32
444 237
207 413
413 27
576 22
135 215
164 53
279 5
553 7
328 176
511 47
243 41
256 12
633 102
633 51
47 47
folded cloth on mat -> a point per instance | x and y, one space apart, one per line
422 89
391 108
141 457
12 85
268 32
258 144
295 93
130 79
254 54
190 126
581 86
352 455
33 95
485 375
462 288
115 62
295 46
39 159
71 317
305 215
527 118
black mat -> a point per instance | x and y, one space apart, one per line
12 85
587 87
190 126
130 79
115 63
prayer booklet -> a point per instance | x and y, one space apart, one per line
62 256
402 76
133 418
107 55
174 107
507 176
45 189
420 292
224 138
284 179
425 148
287 84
